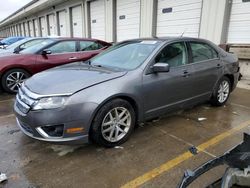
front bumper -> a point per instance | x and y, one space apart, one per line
35 123
27 130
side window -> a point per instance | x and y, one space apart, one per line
174 54
89 46
63 47
202 52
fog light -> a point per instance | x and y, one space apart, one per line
75 130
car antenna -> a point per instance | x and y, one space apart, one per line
183 32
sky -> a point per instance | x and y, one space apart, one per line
8 7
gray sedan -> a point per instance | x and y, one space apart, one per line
134 81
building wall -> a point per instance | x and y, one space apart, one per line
214 18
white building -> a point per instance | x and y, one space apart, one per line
221 21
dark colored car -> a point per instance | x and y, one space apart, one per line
8 41
44 55
20 45
131 82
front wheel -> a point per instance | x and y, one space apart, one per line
113 123
13 78
222 92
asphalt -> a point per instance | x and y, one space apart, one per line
30 163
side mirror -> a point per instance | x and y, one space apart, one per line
17 50
46 52
160 67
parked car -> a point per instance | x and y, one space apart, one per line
131 82
20 45
44 55
8 41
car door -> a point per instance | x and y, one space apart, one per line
89 49
60 53
207 68
166 91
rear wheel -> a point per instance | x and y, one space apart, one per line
222 92
113 123
13 78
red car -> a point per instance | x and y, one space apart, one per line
47 54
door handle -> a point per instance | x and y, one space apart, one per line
186 73
72 58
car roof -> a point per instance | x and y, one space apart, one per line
74 38
168 38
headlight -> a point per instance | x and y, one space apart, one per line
49 103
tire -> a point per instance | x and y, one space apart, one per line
12 79
220 97
103 125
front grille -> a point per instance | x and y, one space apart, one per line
26 127
23 101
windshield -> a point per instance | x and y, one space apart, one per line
10 40
126 56
37 47
16 44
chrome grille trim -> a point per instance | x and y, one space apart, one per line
36 96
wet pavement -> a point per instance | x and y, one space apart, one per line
30 163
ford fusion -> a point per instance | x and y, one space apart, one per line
103 99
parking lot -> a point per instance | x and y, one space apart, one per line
156 155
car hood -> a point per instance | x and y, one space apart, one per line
68 79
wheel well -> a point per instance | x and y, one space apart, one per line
231 78
129 99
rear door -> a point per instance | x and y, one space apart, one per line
207 67
166 91
61 53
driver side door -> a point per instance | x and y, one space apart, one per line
62 52
167 91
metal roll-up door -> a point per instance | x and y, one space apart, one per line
42 26
97 16
36 28
31 28
128 19
239 23
77 21
62 23
177 17
17 30
51 24
22 29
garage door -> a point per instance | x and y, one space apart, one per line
97 15
26 29
51 24
31 28
17 29
22 29
43 26
36 28
62 23
77 21
177 17
239 24
128 19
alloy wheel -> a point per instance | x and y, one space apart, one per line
14 80
116 124
223 91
